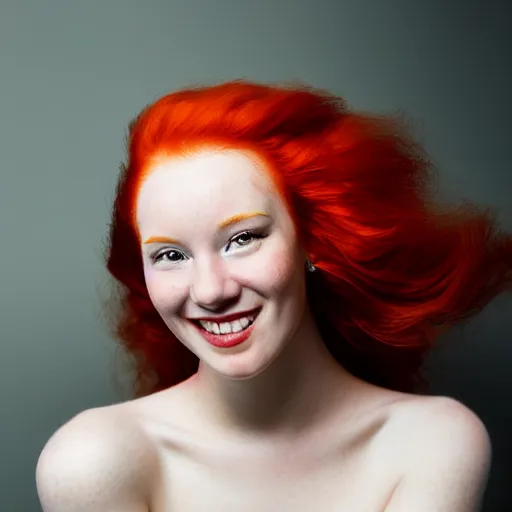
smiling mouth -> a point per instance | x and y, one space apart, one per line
225 335
223 328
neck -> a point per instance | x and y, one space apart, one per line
295 391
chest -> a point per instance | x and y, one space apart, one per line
239 478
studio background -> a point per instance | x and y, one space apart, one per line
73 74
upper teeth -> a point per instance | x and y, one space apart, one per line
227 327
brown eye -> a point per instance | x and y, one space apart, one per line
243 239
172 256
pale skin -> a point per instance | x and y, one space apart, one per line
275 423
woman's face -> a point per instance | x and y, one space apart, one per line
221 259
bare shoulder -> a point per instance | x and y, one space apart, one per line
99 460
445 456
437 417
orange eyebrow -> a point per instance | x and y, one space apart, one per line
161 240
224 224
239 217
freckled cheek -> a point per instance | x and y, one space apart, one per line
277 271
167 292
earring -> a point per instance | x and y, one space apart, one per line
310 267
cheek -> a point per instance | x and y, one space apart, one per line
165 291
279 272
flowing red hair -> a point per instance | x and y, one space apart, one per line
395 267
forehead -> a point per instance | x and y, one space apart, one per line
209 184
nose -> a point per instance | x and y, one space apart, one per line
211 286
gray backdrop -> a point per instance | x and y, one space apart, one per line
72 74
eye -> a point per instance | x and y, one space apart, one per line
171 255
243 239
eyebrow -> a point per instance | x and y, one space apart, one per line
234 219
240 217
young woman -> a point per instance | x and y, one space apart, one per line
283 271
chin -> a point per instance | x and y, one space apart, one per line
244 365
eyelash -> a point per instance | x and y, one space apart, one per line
158 256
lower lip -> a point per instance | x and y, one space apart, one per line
226 340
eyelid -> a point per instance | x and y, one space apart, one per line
244 232
256 233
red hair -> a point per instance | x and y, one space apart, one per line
395 268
